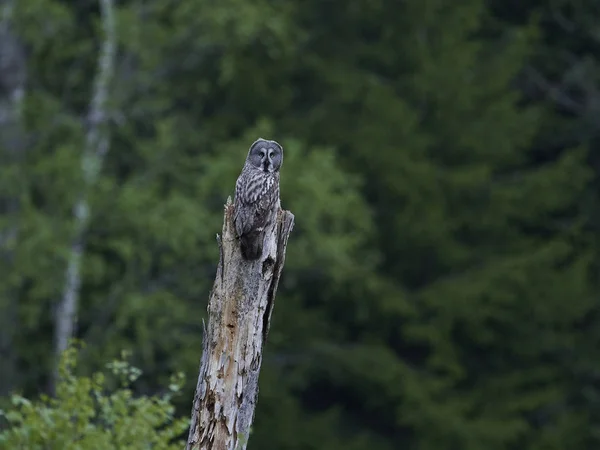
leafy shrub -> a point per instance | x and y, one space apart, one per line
97 412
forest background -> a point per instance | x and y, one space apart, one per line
442 283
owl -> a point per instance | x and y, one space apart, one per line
256 200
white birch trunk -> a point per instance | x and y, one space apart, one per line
12 91
96 146
239 314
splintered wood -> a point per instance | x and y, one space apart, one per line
239 314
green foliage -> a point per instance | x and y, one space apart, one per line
97 412
440 288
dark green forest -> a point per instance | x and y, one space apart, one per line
442 160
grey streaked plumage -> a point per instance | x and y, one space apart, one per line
257 195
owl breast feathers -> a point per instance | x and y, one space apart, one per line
257 196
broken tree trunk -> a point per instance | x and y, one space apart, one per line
239 314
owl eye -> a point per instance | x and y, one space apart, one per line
262 153
271 154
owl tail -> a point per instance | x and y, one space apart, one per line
251 246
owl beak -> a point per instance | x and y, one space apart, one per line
267 165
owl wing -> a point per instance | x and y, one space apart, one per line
255 194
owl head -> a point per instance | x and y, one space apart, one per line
266 155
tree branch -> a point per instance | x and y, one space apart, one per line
239 314
554 92
96 146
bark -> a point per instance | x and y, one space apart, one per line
239 315
96 147
12 146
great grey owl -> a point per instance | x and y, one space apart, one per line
257 196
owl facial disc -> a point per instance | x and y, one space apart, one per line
266 156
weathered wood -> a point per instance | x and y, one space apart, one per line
239 314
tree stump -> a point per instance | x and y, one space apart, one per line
239 314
